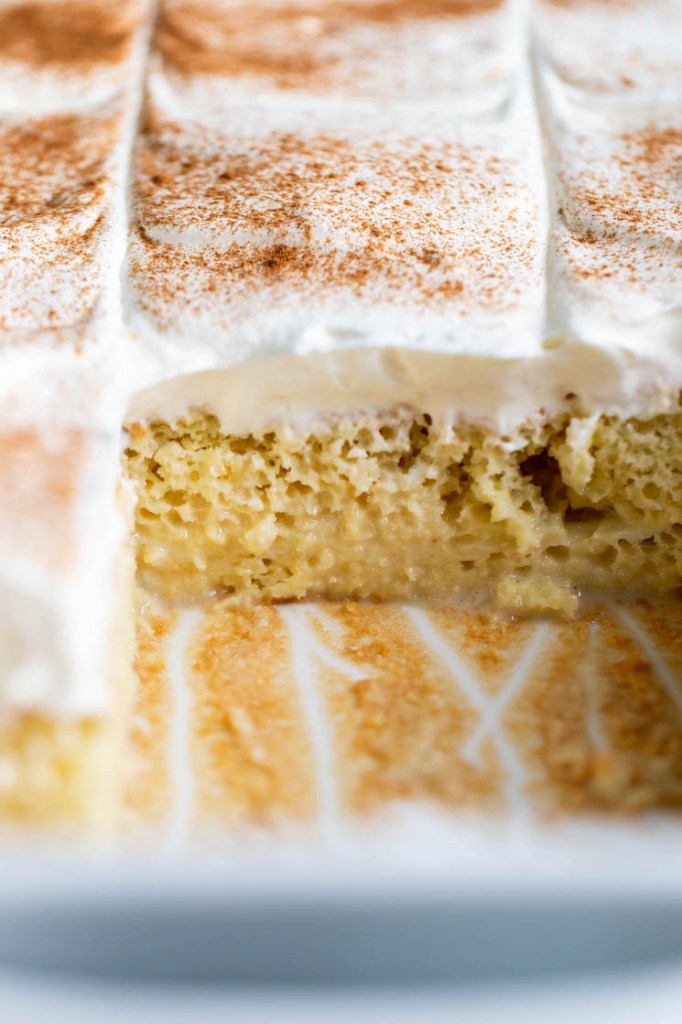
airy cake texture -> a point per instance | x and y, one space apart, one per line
375 304
399 508
339 205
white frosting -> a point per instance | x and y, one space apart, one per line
613 54
460 306
610 90
56 618
256 355
61 383
485 222
313 49
294 390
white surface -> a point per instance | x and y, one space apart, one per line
651 998
137 916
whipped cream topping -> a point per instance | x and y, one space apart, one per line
288 228
62 163
323 212
612 114
353 49
64 55
297 197
335 206
612 52
68 97
60 533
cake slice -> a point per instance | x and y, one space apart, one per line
66 624
361 371
387 311
66 574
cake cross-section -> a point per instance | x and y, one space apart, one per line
397 321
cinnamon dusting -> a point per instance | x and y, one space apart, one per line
66 34
38 483
293 43
624 218
54 194
399 218
52 167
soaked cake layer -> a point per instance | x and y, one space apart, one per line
399 507
325 717
198 189
62 772
67 769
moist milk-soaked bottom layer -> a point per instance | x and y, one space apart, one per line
319 720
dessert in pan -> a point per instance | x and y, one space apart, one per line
379 300
394 386
67 113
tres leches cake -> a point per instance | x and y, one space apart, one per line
385 295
